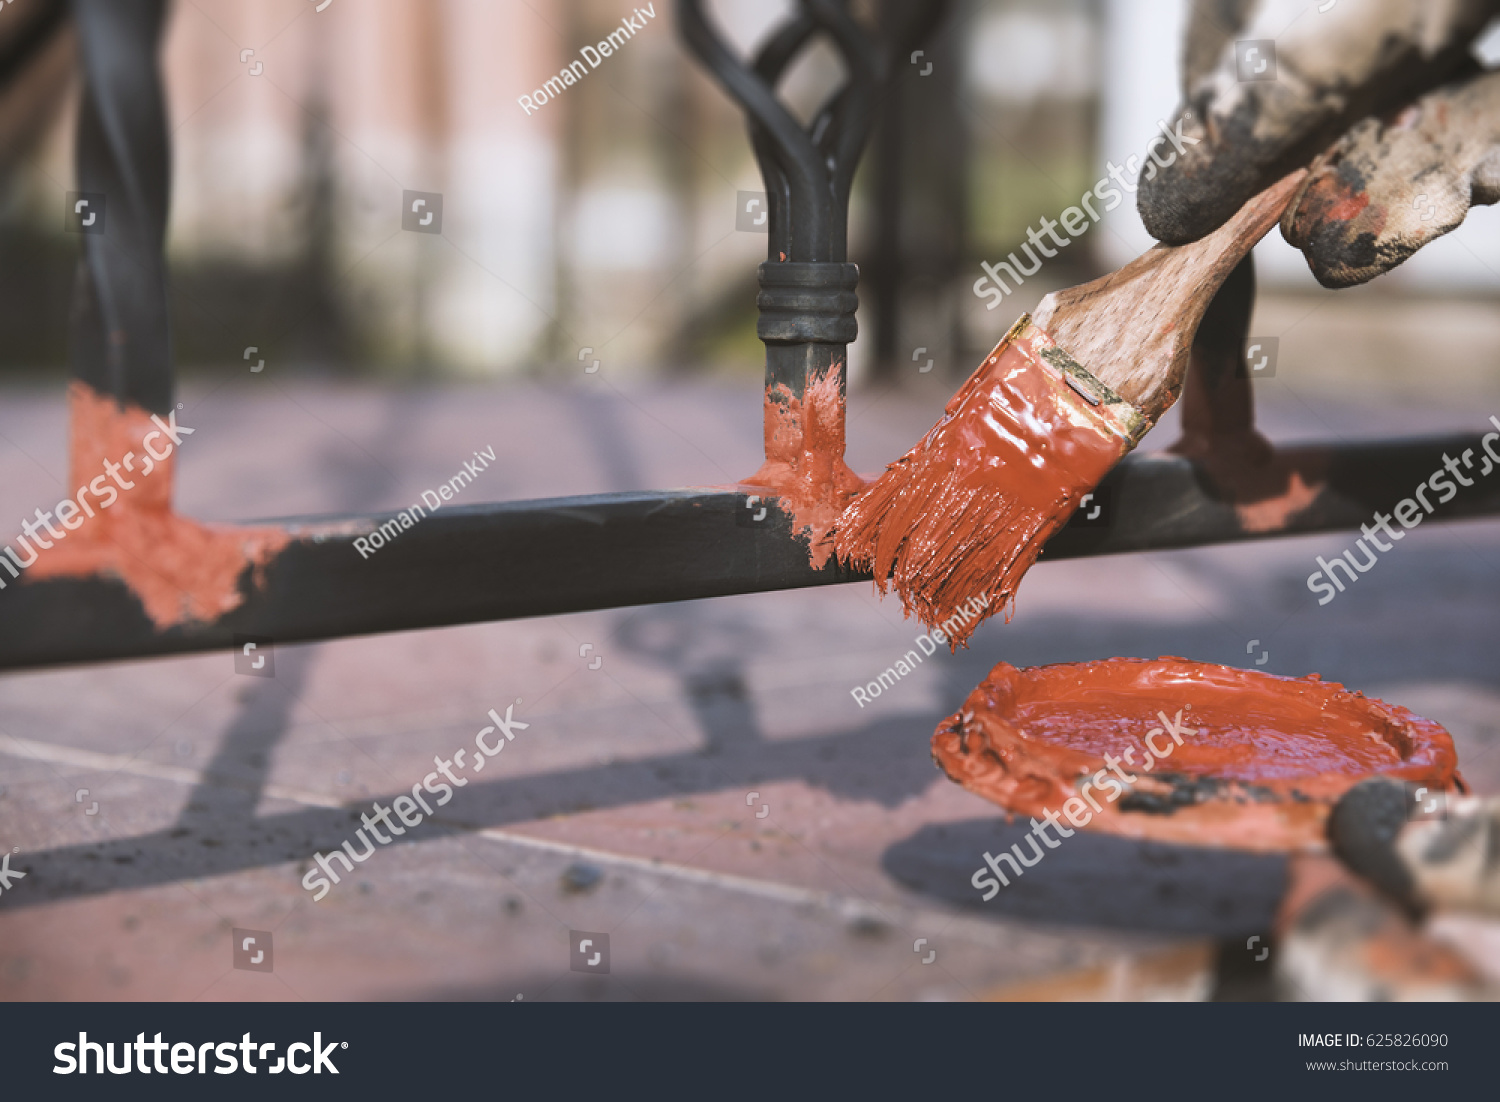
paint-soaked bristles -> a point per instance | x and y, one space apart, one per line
966 512
902 530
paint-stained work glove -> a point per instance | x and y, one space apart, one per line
1382 97
1452 861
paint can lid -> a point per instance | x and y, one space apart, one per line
1184 752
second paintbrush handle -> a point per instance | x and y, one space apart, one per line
1133 328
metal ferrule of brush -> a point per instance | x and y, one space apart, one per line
1120 415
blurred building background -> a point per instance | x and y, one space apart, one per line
606 218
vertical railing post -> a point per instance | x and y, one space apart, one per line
807 297
121 339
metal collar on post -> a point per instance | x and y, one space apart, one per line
807 288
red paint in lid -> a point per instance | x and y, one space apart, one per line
1185 752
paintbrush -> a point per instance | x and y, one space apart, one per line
1067 392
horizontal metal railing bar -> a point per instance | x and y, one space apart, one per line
468 564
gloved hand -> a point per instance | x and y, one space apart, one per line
1382 97
1453 861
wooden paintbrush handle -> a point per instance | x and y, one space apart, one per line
1133 328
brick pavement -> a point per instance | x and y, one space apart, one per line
625 806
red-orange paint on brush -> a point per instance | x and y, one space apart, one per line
1064 396
804 464
1268 758
179 569
966 512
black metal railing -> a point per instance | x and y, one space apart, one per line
602 551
